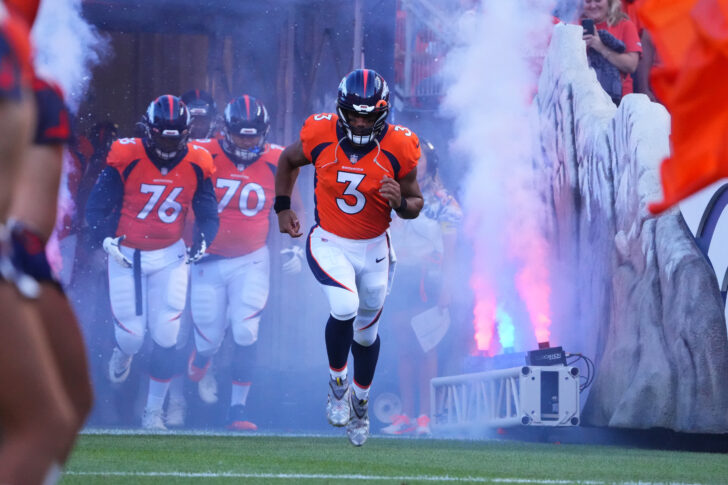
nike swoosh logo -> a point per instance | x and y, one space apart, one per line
379 260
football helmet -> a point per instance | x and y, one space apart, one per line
166 127
203 112
246 125
364 93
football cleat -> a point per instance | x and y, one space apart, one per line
176 409
337 404
194 372
237 421
423 426
401 424
119 366
358 427
152 420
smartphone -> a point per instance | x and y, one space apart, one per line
588 25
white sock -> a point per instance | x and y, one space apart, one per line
53 475
338 373
157 393
361 393
176 389
239 394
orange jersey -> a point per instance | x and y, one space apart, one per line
245 196
348 180
155 202
16 70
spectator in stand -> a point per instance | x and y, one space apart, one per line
425 256
613 48
649 59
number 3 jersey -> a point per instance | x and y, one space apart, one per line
245 195
348 178
148 203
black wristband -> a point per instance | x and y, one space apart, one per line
282 203
402 206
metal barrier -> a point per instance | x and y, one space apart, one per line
519 396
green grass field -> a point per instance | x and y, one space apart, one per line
111 459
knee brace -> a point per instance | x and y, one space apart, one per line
129 337
245 332
366 326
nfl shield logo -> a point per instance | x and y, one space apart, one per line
354 158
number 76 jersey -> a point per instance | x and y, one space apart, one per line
156 200
348 178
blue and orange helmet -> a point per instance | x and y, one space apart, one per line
167 126
246 126
363 92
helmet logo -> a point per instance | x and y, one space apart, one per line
363 108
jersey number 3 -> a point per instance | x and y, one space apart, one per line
352 181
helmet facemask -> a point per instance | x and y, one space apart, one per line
166 127
358 135
246 126
167 143
362 93
246 146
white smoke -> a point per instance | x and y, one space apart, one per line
493 76
67 47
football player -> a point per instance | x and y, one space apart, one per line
138 207
365 168
230 286
203 113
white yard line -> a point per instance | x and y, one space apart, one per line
321 476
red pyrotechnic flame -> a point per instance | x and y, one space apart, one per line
483 313
532 282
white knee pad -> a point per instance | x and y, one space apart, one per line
372 296
245 332
343 303
366 326
130 343
165 333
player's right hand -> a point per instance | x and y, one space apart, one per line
111 246
288 223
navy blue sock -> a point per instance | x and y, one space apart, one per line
365 362
243 361
339 335
162 366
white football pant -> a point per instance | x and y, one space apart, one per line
353 274
229 292
164 276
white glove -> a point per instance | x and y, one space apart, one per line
111 246
294 263
197 251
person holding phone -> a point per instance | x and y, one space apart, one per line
607 15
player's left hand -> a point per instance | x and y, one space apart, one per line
391 191
294 263
197 251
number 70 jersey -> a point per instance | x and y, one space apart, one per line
245 195
348 179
